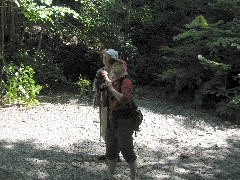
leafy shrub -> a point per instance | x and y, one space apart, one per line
230 106
203 63
43 65
216 85
20 85
84 85
3 90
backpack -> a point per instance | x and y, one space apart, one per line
137 116
135 112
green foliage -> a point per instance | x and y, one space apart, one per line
214 66
189 47
215 86
3 90
231 105
44 14
47 2
234 102
144 13
190 68
173 73
20 85
104 25
199 21
45 68
84 85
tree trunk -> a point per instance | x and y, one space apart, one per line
23 34
12 30
2 61
39 42
128 18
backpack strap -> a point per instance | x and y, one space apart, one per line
120 82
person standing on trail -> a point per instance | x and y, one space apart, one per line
120 124
100 89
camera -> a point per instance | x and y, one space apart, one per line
103 87
99 82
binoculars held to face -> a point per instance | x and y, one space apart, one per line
99 81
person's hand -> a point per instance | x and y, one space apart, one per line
108 82
109 85
105 75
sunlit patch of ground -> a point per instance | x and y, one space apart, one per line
61 141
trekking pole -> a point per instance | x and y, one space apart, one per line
100 126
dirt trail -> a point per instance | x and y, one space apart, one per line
61 141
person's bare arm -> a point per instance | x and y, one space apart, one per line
115 93
108 82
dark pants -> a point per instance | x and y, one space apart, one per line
119 138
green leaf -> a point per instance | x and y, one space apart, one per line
48 2
236 45
199 21
16 2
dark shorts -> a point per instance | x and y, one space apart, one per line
120 138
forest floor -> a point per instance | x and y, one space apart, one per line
59 140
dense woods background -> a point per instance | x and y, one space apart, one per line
189 50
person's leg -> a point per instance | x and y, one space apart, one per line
119 159
103 157
133 169
111 167
111 152
103 128
125 142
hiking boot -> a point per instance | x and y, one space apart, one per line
119 159
102 158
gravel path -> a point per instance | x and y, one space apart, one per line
61 141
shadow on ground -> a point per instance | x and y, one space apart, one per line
24 160
65 98
204 163
190 117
